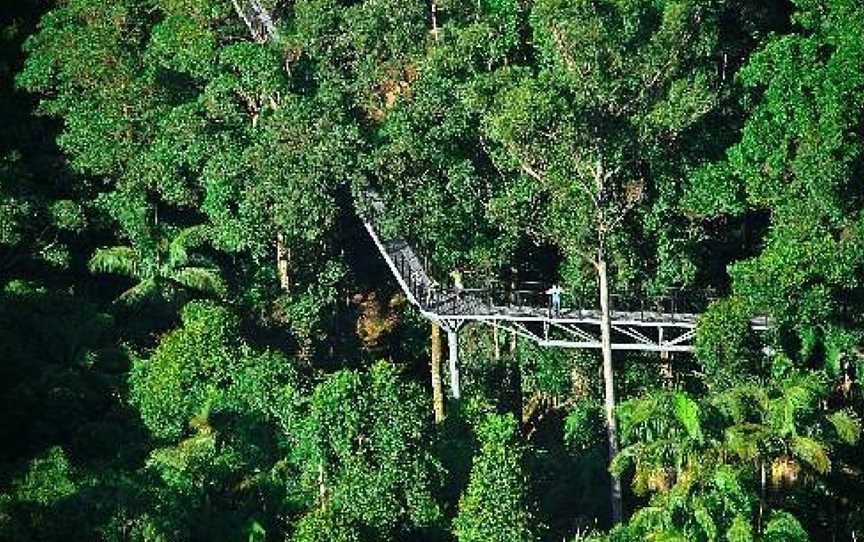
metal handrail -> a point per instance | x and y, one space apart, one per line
519 295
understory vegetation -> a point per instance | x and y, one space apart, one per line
199 340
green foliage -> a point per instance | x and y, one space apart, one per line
205 366
740 530
30 508
662 433
583 427
697 457
47 480
361 449
158 143
724 342
163 270
495 505
322 526
797 157
783 526
847 424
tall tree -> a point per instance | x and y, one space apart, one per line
589 133
495 505
361 448
799 158
217 408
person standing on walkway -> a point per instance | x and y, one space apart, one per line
432 292
555 302
456 275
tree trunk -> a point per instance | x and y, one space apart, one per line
666 369
435 20
322 487
453 347
283 257
496 345
608 381
760 525
437 388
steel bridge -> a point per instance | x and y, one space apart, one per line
257 19
659 324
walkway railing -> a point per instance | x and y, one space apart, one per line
434 293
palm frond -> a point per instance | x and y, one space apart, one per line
704 520
187 239
727 483
643 418
626 457
146 289
783 527
799 393
812 452
652 518
202 279
745 439
740 530
687 413
847 424
739 401
119 260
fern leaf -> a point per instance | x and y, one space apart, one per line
847 424
202 279
188 239
811 452
687 414
146 289
117 260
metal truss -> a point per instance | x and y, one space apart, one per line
586 335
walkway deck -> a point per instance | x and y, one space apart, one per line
657 325
651 327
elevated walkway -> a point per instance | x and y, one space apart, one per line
501 306
257 19
663 324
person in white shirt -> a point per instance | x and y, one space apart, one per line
555 293
456 275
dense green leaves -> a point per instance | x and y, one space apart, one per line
495 506
203 367
178 194
361 448
725 343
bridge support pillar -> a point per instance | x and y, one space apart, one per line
453 346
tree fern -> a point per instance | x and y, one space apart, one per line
118 260
847 424
202 279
